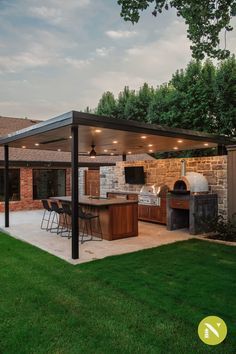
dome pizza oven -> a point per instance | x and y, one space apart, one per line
192 182
189 200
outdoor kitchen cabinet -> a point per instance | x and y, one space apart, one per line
153 213
118 217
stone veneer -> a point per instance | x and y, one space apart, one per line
164 171
157 171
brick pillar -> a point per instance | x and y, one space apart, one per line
26 184
68 181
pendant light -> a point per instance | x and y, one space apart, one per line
93 153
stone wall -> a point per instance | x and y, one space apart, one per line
107 180
164 171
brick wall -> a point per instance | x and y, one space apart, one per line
214 168
26 191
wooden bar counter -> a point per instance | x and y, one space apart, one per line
118 217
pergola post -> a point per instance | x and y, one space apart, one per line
75 191
6 184
231 184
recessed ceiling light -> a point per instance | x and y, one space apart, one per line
150 150
175 148
23 147
180 141
105 150
36 144
112 153
150 145
129 152
70 137
115 142
206 144
59 150
98 131
143 137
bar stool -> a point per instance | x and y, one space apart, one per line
47 209
58 212
66 207
87 221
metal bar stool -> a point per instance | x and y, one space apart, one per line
47 209
57 213
87 221
66 207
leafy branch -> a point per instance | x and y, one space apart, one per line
205 19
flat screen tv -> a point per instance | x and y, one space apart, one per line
134 175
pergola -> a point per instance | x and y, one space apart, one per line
79 132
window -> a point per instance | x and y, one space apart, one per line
49 183
14 184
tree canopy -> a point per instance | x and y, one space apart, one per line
205 19
201 97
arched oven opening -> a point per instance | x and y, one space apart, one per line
180 187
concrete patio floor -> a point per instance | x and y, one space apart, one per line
25 226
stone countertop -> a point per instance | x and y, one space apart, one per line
98 202
123 192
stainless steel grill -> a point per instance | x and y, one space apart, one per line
150 195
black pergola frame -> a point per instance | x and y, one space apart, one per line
75 119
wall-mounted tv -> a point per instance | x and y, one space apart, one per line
134 175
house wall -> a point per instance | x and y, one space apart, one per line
164 171
26 191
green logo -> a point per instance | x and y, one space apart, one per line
212 330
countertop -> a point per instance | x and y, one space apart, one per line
97 202
123 192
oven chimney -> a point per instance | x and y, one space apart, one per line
183 168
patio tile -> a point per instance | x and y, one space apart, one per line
25 226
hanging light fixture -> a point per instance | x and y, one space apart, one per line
93 153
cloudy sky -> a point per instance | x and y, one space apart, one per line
57 55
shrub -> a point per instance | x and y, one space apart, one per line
219 228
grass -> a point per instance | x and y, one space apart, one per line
145 302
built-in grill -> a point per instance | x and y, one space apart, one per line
152 195
149 195
189 201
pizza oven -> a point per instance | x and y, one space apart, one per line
189 200
190 182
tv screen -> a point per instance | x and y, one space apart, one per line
134 175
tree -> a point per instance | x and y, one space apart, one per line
201 97
107 105
123 98
225 100
205 20
137 105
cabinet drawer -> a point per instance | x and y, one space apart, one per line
179 204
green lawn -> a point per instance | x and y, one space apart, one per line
145 302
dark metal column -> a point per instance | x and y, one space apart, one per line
75 192
123 157
221 150
6 184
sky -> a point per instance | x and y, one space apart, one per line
58 55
